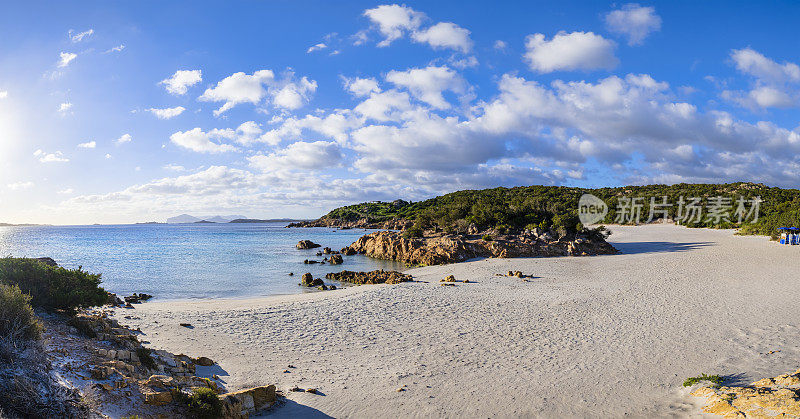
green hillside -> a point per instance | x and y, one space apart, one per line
556 207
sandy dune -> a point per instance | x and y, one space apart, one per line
591 336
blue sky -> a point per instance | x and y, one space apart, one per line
137 111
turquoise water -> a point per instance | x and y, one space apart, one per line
180 261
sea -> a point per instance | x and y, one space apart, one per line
190 261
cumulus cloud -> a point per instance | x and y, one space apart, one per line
88 144
500 45
3 94
45 157
201 142
167 113
294 95
78 37
180 82
445 35
305 155
361 87
773 84
124 138
633 21
65 58
396 21
753 63
117 48
243 88
393 21
66 191
427 84
569 51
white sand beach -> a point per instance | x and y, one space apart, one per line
589 336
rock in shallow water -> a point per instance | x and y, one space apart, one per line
373 277
306 244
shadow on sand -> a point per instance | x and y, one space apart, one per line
291 409
658 247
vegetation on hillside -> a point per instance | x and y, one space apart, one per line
53 287
556 208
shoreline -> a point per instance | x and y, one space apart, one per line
586 336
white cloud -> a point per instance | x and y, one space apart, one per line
66 191
500 45
753 63
361 87
201 142
180 82
305 155
294 95
427 84
117 48
167 113
45 157
773 83
64 107
634 21
445 35
393 21
317 47
569 51
174 168
239 88
20 185
3 94
65 58
88 144
78 37
243 88
124 138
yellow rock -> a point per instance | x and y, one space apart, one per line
766 398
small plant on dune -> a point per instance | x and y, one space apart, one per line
17 320
716 380
204 403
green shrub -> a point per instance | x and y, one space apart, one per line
145 358
414 231
17 319
716 380
487 237
53 287
204 403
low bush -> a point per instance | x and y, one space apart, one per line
716 380
17 320
414 231
204 403
53 287
487 238
145 358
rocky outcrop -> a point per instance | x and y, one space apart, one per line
770 397
308 280
242 404
336 260
439 249
306 244
373 277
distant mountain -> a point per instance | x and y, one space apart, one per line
186 218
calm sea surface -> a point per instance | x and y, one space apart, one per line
179 261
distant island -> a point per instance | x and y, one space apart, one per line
223 219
